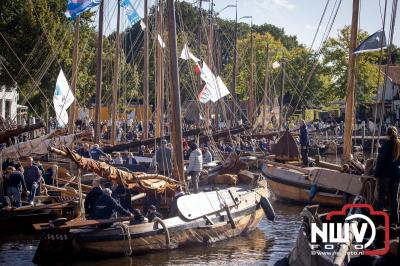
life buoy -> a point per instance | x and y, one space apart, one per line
267 207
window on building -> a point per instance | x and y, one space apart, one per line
7 113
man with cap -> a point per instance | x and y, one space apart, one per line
195 166
106 206
164 159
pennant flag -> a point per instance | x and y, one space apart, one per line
77 7
372 43
160 40
62 99
276 64
186 54
131 12
214 89
142 25
197 69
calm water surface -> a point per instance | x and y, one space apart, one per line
269 243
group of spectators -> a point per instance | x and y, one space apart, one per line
18 181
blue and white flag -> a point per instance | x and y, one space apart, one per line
373 43
77 7
62 99
130 10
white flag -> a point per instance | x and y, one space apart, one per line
214 89
160 40
142 25
186 54
276 64
62 99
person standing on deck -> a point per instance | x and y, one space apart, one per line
164 159
106 206
91 199
388 174
32 176
195 166
304 142
96 152
15 182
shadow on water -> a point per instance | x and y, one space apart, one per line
270 242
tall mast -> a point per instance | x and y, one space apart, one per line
175 93
349 114
234 73
114 107
265 98
251 89
282 92
146 73
99 74
72 109
200 27
159 74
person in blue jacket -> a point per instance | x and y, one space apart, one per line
96 152
304 142
388 175
123 196
106 206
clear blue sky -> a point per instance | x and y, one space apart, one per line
297 17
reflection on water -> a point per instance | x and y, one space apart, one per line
268 243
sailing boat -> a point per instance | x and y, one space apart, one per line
328 184
215 214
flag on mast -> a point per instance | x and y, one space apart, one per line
62 99
77 7
374 42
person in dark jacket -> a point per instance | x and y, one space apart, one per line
84 151
123 196
304 142
96 152
15 182
91 199
32 177
388 175
106 206
153 213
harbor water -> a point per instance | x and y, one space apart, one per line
270 242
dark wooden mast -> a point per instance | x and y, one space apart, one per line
146 73
251 88
349 115
159 73
72 109
234 72
99 75
175 93
114 106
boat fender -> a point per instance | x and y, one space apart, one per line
157 221
313 191
58 222
268 209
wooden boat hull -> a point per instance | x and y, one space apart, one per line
294 186
123 239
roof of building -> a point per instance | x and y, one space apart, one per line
393 73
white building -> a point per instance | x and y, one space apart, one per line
392 93
10 110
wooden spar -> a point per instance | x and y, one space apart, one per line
282 92
250 111
193 132
200 23
278 133
175 92
72 109
265 98
6 135
234 72
146 73
99 74
349 117
114 106
285 165
159 74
